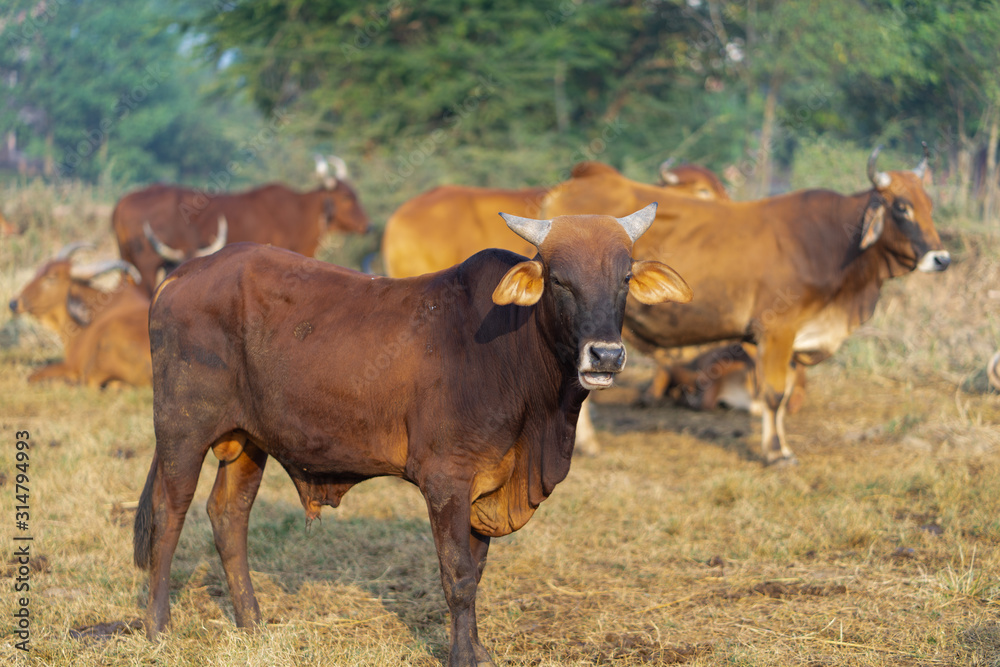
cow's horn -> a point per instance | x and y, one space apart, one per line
339 167
668 177
637 223
879 179
531 230
91 271
322 167
922 167
220 239
162 249
67 251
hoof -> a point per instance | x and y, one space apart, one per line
783 462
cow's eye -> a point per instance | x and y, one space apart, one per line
900 207
628 277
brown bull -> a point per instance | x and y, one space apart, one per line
794 274
161 226
450 223
105 335
466 382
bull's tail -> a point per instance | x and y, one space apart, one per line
142 537
993 371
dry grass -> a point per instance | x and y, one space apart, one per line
673 547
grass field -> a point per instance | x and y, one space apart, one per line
674 546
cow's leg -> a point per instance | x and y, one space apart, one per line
586 435
480 546
241 467
449 510
775 358
58 370
174 482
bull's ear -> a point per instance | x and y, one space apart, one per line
655 282
522 285
78 310
874 222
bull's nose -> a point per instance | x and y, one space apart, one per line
13 305
606 357
936 260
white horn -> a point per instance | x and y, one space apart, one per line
67 251
637 223
879 179
339 167
91 271
531 230
162 249
668 177
220 239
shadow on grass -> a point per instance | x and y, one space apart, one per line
393 561
729 430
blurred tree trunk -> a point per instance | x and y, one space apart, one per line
766 139
48 165
561 104
991 214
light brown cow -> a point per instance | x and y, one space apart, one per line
692 180
722 375
450 223
794 274
480 371
105 335
161 226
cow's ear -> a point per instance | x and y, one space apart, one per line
78 310
655 282
874 222
522 285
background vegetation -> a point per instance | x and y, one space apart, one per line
773 94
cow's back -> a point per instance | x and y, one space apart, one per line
450 223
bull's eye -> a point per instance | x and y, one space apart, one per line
900 207
628 277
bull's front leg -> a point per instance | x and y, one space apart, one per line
55 371
449 510
774 359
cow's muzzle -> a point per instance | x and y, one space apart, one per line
599 362
934 261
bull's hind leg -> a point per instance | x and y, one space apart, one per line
173 485
241 466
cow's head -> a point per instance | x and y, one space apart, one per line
691 180
50 297
581 278
341 207
899 215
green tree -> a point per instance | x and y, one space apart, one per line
104 88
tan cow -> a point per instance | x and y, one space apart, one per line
794 274
105 335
